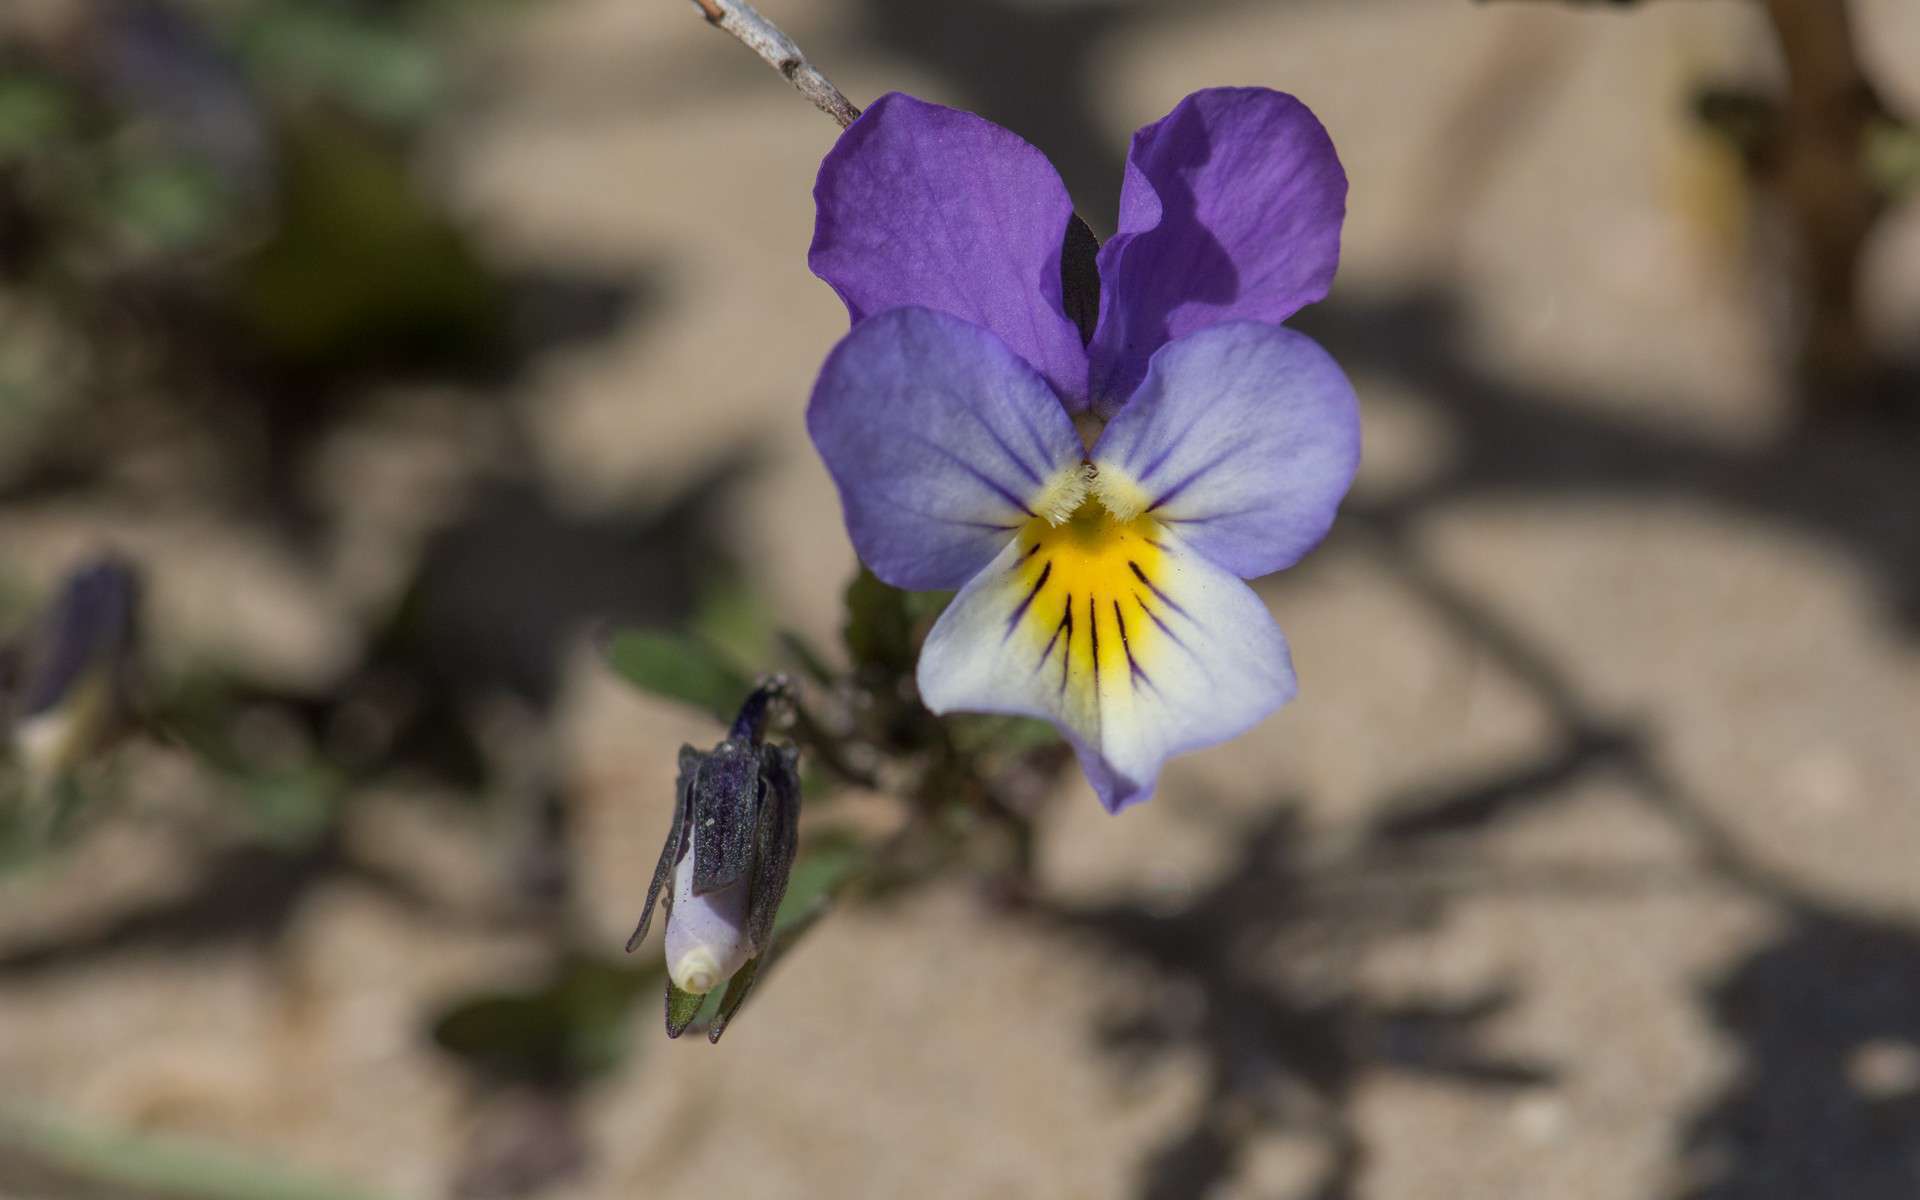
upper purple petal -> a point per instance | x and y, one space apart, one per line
939 438
1230 209
1243 439
918 204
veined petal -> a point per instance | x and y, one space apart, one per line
943 443
1242 439
923 205
1230 209
1121 634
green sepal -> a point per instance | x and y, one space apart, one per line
682 1008
736 995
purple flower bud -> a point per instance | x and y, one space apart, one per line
72 670
728 854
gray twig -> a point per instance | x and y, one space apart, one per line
764 38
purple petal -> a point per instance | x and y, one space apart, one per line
929 206
1243 438
943 442
1230 209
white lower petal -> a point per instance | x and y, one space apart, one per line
1137 646
706 940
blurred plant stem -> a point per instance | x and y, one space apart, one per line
157 1164
1836 158
1821 170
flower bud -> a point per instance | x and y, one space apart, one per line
727 858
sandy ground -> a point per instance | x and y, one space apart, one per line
1583 867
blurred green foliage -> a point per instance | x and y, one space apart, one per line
884 624
191 188
1893 158
165 205
383 66
34 113
100 1160
575 1026
360 264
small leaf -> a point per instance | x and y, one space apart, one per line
679 668
884 624
877 627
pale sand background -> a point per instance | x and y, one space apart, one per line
1584 576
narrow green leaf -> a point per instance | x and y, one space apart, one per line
679 668
156 1165
884 624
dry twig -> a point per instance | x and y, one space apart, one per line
764 38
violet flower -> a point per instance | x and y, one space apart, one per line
1097 492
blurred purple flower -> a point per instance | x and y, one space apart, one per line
67 682
1100 588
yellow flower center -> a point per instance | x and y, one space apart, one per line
1089 601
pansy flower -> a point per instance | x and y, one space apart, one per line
1095 482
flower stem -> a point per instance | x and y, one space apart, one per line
764 38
